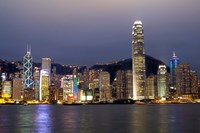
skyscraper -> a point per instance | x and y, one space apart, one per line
45 78
44 85
67 86
28 70
17 88
151 86
162 81
183 79
46 66
36 77
104 86
75 85
174 62
123 84
138 61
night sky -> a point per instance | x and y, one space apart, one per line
84 32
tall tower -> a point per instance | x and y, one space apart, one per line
162 81
46 65
174 62
45 79
28 69
138 61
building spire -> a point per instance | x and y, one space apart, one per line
174 54
28 49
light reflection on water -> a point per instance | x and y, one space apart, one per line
100 118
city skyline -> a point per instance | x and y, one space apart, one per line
69 37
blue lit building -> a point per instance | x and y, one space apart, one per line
28 70
174 62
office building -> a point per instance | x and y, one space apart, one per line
138 61
183 79
123 84
162 81
45 79
104 86
75 85
17 89
46 66
28 70
174 62
44 85
67 86
6 89
36 77
151 84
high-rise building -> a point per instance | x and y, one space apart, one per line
36 77
183 79
46 66
104 86
94 79
75 85
44 85
67 86
138 61
28 70
187 82
162 81
151 84
123 84
17 88
194 83
174 62
45 78
7 89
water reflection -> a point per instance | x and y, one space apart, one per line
42 119
100 118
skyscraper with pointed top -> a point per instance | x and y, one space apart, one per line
28 69
174 62
138 61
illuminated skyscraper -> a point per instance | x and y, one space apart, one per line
28 70
45 78
46 66
151 86
162 81
67 86
183 79
174 62
7 89
44 85
187 81
123 84
75 85
17 88
138 61
36 76
104 86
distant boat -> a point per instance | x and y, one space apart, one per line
25 104
140 103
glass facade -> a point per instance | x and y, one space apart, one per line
162 81
138 61
28 70
174 62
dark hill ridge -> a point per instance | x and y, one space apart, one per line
151 66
